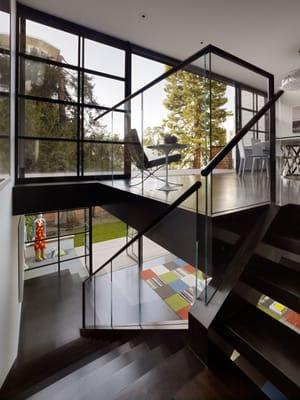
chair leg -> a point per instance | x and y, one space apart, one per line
267 168
240 166
150 174
253 165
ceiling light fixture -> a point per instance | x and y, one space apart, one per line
292 80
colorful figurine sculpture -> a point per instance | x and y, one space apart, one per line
39 238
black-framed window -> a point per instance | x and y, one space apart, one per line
65 240
4 88
251 102
65 79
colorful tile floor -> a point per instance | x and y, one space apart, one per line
280 312
175 283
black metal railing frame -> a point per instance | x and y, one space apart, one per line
194 188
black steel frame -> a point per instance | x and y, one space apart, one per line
79 140
131 49
5 7
59 236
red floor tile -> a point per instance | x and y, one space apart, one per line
184 312
148 274
189 268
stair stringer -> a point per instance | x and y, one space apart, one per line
202 337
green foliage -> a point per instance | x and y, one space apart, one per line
29 224
43 119
190 116
103 232
4 114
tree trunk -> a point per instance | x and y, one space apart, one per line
197 162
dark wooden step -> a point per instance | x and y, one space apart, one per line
90 376
163 380
28 378
268 344
275 280
175 376
228 382
283 241
127 376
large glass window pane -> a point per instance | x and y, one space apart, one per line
260 101
103 58
43 158
54 44
262 124
109 127
49 81
102 91
246 116
4 72
4 115
51 225
247 99
103 159
4 156
4 24
48 119
72 221
145 70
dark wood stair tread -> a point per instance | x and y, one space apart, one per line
178 372
228 382
37 374
275 280
95 374
128 375
285 242
268 344
163 380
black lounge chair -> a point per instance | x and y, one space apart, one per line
141 160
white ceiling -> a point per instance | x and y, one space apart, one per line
263 32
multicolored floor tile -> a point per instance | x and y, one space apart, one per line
174 282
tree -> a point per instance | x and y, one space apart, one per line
4 114
45 119
188 102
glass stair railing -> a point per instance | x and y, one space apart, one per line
157 288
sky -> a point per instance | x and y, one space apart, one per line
4 22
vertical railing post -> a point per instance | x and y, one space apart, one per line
197 263
140 267
91 239
83 306
272 126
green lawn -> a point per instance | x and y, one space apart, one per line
102 232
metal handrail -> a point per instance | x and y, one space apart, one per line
205 50
242 132
160 78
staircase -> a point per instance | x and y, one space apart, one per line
267 343
139 365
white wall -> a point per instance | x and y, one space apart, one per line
10 308
9 298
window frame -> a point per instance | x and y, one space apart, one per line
7 94
25 13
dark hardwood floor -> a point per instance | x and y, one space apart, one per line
227 190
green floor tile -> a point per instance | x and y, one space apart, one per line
168 277
176 302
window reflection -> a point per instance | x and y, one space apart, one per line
54 44
4 88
